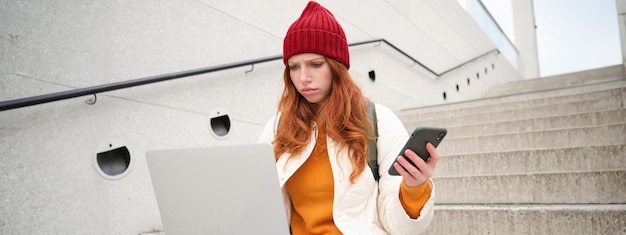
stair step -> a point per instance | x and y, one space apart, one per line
573 79
529 219
531 124
608 100
598 187
547 111
521 95
523 87
596 158
526 99
600 135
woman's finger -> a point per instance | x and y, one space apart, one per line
421 166
434 156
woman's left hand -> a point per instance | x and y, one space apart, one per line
415 176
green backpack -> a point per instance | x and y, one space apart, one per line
372 149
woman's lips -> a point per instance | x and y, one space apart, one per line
308 91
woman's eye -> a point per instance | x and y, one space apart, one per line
316 65
293 67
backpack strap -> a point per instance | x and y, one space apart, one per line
372 149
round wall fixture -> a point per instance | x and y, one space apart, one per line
219 123
112 159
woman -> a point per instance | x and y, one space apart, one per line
320 137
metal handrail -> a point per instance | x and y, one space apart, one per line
398 50
24 102
495 50
35 100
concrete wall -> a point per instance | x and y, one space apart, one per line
526 38
49 180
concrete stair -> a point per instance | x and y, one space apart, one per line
549 159
609 73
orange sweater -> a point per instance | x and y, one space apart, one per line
311 190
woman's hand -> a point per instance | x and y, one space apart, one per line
415 176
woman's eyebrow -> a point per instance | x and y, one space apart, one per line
316 59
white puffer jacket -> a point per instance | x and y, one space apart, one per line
365 207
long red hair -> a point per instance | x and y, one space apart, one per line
342 114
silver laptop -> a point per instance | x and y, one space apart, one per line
218 190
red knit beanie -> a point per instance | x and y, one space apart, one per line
316 31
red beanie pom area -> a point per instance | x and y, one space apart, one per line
316 31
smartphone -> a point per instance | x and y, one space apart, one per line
417 143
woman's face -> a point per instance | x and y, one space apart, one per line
311 75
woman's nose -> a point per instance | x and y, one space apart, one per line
304 76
